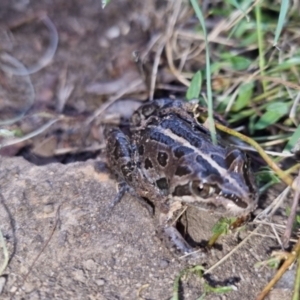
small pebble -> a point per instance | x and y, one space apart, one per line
124 27
103 43
48 209
100 282
89 264
113 32
164 263
2 283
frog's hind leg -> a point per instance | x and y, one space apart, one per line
169 233
173 239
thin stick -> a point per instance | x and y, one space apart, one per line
296 295
233 250
113 99
291 258
28 136
155 67
289 226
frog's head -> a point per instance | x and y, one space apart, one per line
221 183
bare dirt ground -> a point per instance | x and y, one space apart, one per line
63 240
59 228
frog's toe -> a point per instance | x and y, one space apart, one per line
175 240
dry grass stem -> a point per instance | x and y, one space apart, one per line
232 251
130 88
291 219
288 262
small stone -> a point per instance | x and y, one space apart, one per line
28 287
13 289
48 209
124 27
89 264
103 43
113 32
100 282
164 263
78 275
2 283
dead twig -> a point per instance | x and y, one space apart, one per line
289 226
155 67
10 142
113 99
233 250
290 259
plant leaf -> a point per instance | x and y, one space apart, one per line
236 62
293 140
285 4
274 111
245 94
194 89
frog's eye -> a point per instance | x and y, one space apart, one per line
201 189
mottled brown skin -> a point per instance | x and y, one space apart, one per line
170 159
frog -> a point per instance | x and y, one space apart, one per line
169 159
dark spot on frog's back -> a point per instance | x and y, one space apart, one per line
162 183
182 170
206 166
182 151
161 138
162 158
148 164
141 150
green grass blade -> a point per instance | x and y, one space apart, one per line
238 6
282 15
274 112
194 89
104 3
293 140
260 37
208 71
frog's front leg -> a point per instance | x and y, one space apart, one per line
122 189
119 155
119 159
